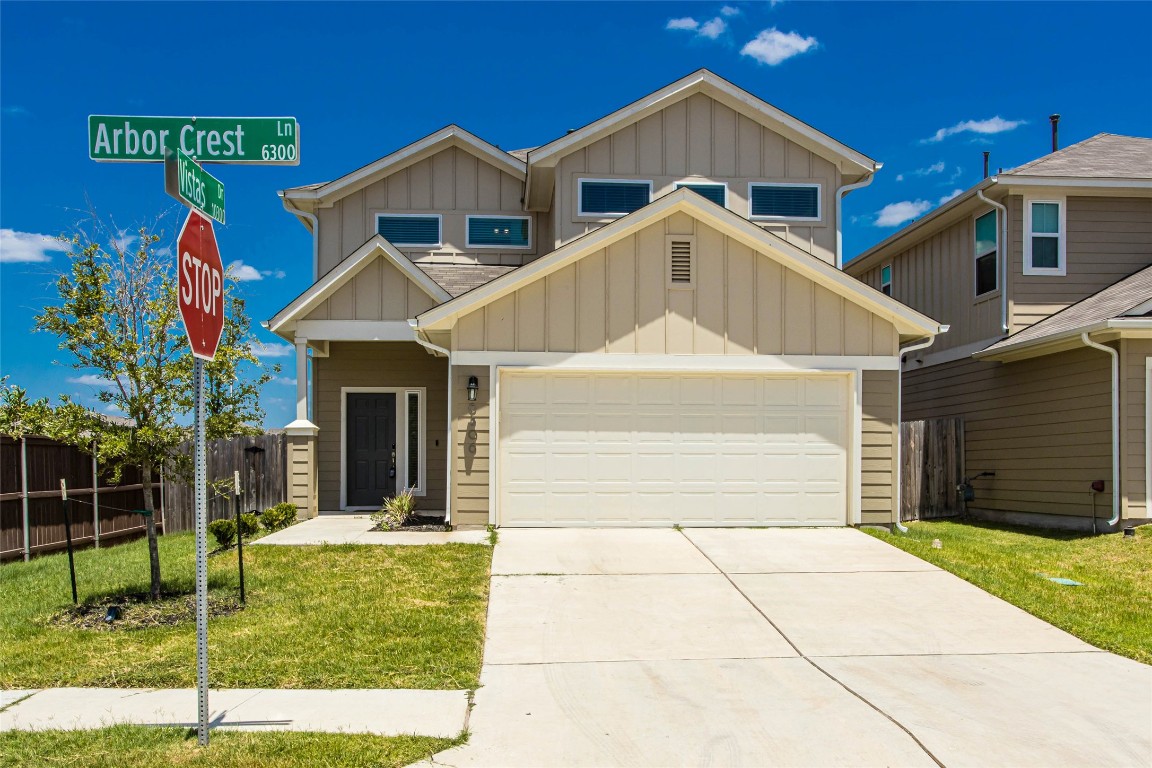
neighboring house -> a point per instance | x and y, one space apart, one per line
639 323
1030 298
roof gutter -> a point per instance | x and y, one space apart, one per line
1115 423
418 334
840 206
291 208
900 416
1001 256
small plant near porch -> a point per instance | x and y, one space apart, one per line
396 512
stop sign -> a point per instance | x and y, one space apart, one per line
201 285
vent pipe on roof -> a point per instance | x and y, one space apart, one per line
986 153
1055 120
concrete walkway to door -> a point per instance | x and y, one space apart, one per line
743 647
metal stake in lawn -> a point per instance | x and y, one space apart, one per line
201 490
68 537
239 533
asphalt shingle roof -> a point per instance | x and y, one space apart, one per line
1105 155
458 279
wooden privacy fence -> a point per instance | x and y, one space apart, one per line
263 479
31 513
932 465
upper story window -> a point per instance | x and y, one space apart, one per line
716 192
410 229
886 279
795 202
499 231
985 235
613 197
1045 246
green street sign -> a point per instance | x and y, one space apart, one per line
192 185
251 140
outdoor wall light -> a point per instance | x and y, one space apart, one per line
473 388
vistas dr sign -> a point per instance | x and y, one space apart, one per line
200 284
250 140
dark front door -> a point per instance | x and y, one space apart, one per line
371 448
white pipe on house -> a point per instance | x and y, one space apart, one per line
1115 423
900 418
315 233
1001 258
446 353
840 207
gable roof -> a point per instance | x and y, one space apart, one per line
376 247
908 321
1126 302
448 136
458 279
1104 156
542 159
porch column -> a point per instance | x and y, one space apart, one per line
301 448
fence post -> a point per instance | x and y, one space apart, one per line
95 499
24 497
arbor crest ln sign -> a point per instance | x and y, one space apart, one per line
254 140
200 284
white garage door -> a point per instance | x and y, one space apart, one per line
635 449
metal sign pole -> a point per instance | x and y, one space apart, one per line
201 557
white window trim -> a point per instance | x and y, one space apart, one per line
977 256
702 183
819 200
888 284
401 440
471 245
439 228
1061 238
597 214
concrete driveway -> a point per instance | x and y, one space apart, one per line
743 647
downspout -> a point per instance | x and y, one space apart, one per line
1001 257
419 337
840 207
1115 423
315 233
900 418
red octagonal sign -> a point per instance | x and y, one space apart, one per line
201 285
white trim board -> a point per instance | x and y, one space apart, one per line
401 442
1148 437
355 330
606 361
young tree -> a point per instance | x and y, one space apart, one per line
118 317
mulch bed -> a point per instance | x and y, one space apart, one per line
418 523
138 612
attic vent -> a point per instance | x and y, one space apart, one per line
681 270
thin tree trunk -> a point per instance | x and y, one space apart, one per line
153 545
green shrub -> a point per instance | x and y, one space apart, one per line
224 531
249 524
396 510
280 516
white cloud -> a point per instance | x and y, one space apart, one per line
992 125
272 349
900 177
288 381
686 22
90 380
895 214
123 241
713 29
244 272
950 195
279 274
929 171
729 10
772 46
16 247
955 176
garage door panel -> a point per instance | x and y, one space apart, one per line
654 449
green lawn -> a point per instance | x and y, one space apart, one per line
1113 610
144 747
317 617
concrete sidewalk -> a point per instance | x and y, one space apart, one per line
382 712
356 529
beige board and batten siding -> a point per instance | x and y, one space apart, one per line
379 364
1108 239
471 447
1043 425
699 139
379 291
453 183
937 276
879 449
618 300
1134 397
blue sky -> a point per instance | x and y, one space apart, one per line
922 87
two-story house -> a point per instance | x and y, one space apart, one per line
1044 273
639 323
